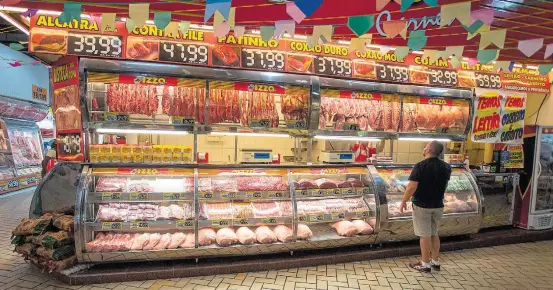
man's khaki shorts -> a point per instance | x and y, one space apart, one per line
426 221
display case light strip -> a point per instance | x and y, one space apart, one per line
14 23
139 131
347 138
423 139
249 134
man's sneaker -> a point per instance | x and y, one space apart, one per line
419 267
435 267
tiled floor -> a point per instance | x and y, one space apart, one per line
522 266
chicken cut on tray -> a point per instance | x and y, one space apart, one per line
226 237
264 235
283 233
246 236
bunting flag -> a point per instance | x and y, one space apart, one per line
323 32
172 29
108 21
380 4
393 28
311 41
294 12
239 30
530 46
16 46
443 54
211 6
459 11
482 28
283 26
403 33
360 24
130 25
454 50
267 32
502 65
496 37
139 13
545 68
231 20
184 26
417 39
475 26
221 29
360 43
405 4
384 49
485 15
308 7
486 56
162 19
455 62
29 12
71 11
401 52
431 54
548 51
218 19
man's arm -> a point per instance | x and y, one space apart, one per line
411 188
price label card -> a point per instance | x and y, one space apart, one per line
296 124
116 117
228 194
111 196
347 191
318 192
260 123
253 194
138 196
221 223
205 195
488 80
361 214
183 121
442 77
316 218
140 225
183 52
332 66
334 191
337 215
363 190
275 194
392 73
263 59
171 195
270 221
112 226
302 192
95 45
442 130
350 127
185 224
241 222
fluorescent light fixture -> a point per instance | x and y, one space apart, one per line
14 23
418 52
424 139
347 138
345 42
531 67
270 74
14 9
140 131
517 65
249 134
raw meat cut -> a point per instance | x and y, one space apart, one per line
264 235
354 182
226 237
326 183
345 228
311 207
304 184
304 232
242 210
369 115
132 99
362 227
224 185
285 208
176 240
246 236
429 117
152 242
261 183
189 241
163 242
111 184
206 237
140 241
283 233
294 107
265 209
218 210
129 212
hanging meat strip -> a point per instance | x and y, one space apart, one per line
165 101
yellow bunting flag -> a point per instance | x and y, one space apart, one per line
459 11
108 21
357 44
172 29
184 26
139 13
323 32
455 62
454 50
496 37
403 33
482 28
431 54
504 65
231 17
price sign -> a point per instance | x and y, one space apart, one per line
316 217
270 220
228 194
363 190
221 223
138 196
392 73
111 195
296 124
332 66
95 45
442 130
275 194
112 226
171 195
139 225
183 52
263 59
488 80
303 218
116 117
350 127
336 215
69 144
302 192
442 77
205 195
182 121
333 191
348 191
260 123
361 214
241 222
185 224
253 194
318 192
13 183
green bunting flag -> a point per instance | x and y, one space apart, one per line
417 39
360 24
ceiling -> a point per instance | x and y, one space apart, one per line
523 19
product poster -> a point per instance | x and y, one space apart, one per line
515 157
498 116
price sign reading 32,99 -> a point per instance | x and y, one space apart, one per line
183 52
95 45
263 59
442 77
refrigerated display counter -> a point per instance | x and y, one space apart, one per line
462 203
498 190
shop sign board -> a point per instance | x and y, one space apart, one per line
515 157
498 116
199 47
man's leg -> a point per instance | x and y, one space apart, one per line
435 248
436 218
426 247
422 226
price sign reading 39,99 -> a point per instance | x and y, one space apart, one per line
96 45
183 52
487 80
263 59
392 73
443 77
332 66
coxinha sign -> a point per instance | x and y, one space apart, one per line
412 23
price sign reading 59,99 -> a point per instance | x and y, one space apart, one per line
183 52
96 45
263 59
488 80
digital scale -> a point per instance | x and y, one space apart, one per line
256 156
335 156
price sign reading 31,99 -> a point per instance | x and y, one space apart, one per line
263 59
332 66
392 73
183 52
96 45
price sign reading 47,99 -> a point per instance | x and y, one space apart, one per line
263 59
332 66
95 45
487 80
183 52
392 73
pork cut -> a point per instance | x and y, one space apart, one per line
152 242
283 233
163 242
176 240
345 228
189 241
304 232
245 236
362 227
226 237
206 236
140 241
264 235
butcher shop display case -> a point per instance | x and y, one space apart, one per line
498 192
435 115
462 203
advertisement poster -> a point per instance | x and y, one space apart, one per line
498 116
515 157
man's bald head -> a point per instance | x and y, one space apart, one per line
433 149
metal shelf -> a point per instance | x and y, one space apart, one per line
244 195
141 226
244 222
336 192
108 197
332 217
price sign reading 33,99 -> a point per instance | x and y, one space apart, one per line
332 66
96 45
263 59
487 80
443 77
183 52
392 73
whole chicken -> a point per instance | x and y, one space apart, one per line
176 240
345 228
206 237
304 232
264 235
226 237
163 242
362 227
154 240
140 241
245 236
189 242
283 233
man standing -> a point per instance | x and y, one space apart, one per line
427 184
